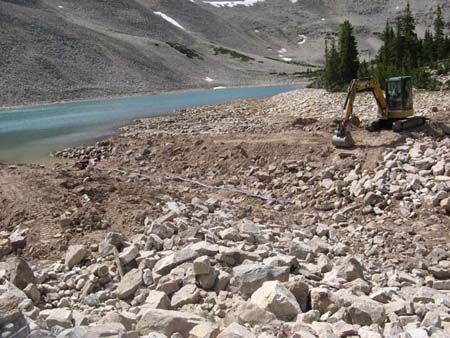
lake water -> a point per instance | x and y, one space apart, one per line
29 135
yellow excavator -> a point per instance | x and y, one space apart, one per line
395 110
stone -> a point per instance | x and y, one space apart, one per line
222 281
32 292
439 168
204 248
365 311
432 320
427 295
350 270
342 329
130 282
300 290
367 333
299 249
166 264
323 300
110 330
373 199
254 315
236 331
161 230
204 330
445 205
9 307
318 245
202 265
57 317
188 294
207 282
124 318
20 273
74 255
128 254
157 300
247 278
167 322
274 297
17 240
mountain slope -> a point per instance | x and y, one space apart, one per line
60 49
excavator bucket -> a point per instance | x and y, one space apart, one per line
343 139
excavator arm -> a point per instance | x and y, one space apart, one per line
343 138
361 86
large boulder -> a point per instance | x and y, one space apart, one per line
74 255
276 298
167 322
236 331
364 311
20 273
166 264
247 278
129 284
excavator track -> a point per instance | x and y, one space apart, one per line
397 125
407 124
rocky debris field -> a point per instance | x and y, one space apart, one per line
237 220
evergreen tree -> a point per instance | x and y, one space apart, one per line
439 36
427 48
408 41
332 62
348 53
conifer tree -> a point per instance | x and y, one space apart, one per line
348 53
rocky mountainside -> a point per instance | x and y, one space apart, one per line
59 49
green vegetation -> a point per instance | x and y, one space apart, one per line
402 53
341 62
232 53
190 53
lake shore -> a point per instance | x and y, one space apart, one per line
156 92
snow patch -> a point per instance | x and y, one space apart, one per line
60 7
286 59
303 39
217 88
233 3
170 20
208 79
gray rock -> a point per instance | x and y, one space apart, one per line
188 294
236 331
157 300
129 254
74 255
247 278
166 264
167 322
202 265
20 273
129 284
365 311
373 199
299 249
274 297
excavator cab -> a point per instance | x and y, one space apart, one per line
399 94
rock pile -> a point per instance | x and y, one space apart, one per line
229 278
362 252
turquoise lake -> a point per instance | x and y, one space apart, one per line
29 135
